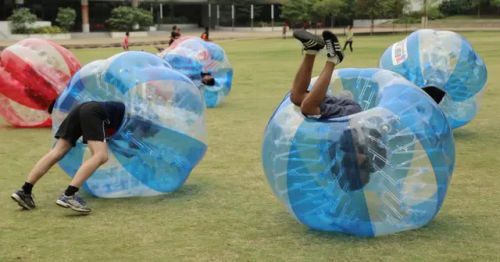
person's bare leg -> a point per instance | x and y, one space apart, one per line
302 80
48 160
311 103
99 156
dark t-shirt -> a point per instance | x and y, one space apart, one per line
115 112
348 171
173 36
333 106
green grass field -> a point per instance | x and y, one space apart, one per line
226 210
457 20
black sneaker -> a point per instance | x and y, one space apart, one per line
23 199
309 41
74 202
333 48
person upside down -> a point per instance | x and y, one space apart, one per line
360 157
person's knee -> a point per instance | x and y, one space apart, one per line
102 158
308 108
296 98
99 151
59 152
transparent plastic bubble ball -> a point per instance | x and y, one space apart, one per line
192 56
442 59
33 72
380 171
162 136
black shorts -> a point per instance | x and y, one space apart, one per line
87 120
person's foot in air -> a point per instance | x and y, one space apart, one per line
312 43
333 49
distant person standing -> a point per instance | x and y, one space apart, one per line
125 42
205 35
349 37
175 34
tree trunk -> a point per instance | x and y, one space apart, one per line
372 25
332 21
479 10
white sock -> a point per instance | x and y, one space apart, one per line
311 52
334 59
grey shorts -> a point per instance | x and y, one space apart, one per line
333 106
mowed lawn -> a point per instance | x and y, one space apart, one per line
226 211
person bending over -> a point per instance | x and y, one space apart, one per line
316 103
94 121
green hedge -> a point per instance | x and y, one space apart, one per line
66 18
20 20
415 17
124 18
46 30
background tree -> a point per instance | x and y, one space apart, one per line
396 8
66 18
124 18
495 3
20 20
477 5
297 10
373 9
325 8
347 11
454 7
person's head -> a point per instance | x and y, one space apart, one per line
208 80
174 28
127 33
363 155
178 30
349 27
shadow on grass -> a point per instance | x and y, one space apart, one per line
437 227
462 134
220 106
442 226
75 214
185 192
